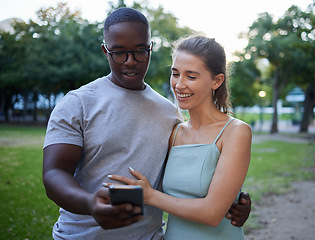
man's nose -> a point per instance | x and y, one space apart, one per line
130 59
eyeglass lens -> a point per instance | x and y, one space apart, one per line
138 55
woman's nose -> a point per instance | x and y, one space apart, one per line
180 83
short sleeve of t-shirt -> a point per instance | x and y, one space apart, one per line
66 124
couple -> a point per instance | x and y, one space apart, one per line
118 121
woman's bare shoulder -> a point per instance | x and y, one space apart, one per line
239 128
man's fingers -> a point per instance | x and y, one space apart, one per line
235 212
244 198
228 216
237 224
122 223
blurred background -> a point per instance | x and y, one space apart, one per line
48 48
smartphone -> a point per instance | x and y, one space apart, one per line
120 194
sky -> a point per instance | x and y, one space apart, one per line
223 20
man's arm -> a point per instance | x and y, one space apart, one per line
239 213
60 161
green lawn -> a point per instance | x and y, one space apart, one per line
26 212
275 164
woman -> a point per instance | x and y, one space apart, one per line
209 154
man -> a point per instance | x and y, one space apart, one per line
104 127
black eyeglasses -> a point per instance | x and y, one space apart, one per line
120 57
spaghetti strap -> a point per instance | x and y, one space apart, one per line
175 134
215 141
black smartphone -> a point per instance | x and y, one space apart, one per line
120 194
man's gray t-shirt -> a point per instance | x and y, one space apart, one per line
117 128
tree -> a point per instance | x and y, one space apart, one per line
60 51
11 55
282 43
57 53
300 25
68 48
244 83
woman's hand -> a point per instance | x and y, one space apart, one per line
141 180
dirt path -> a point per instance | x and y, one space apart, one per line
290 216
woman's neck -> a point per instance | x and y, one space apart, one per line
199 119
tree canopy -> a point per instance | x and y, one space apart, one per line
60 51
288 45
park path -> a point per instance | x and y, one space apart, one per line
290 216
287 217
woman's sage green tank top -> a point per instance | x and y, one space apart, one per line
188 174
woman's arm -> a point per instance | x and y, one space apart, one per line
227 181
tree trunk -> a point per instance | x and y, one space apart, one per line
35 99
25 100
308 106
7 106
48 111
275 97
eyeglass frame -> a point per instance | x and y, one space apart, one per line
127 53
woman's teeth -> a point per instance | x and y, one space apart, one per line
183 95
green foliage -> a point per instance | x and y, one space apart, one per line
243 88
11 55
67 47
60 51
288 44
57 53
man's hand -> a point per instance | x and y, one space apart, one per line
108 216
239 213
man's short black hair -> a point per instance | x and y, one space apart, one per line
124 14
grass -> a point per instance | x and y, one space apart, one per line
27 213
274 165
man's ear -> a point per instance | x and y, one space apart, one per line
218 80
104 49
